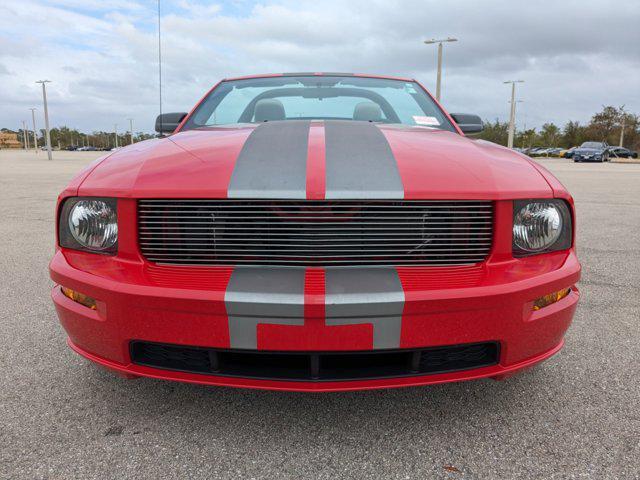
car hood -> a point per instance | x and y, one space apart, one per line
316 160
588 151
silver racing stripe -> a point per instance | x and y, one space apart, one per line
272 162
359 162
262 295
366 296
258 295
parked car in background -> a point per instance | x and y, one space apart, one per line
546 152
554 152
621 152
592 152
549 152
532 152
567 153
539 152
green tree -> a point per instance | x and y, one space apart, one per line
526 138
549 135
573 134
631 132
496 132
605 124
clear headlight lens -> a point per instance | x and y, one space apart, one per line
540 226
89 224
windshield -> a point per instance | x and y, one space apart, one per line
317 97
592 145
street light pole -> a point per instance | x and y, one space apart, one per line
46 117
131 131
525 122
35 135
115 130
624 117
512 116
439 78
25 145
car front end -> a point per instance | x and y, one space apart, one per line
360 256
591 152
588 155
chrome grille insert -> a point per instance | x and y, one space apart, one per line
307 233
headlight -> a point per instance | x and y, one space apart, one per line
89 224
540 226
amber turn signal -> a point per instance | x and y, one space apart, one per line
80 298
550 298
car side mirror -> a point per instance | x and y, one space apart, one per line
468 123
168 122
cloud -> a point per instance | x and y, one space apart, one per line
102 55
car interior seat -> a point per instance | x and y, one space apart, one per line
367 112
268 110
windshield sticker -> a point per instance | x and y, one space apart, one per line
426 120
409 88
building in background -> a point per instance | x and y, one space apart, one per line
9 140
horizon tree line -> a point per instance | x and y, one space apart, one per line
604 126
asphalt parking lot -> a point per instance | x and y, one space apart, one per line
575 416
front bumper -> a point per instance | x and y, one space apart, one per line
491 302
588 158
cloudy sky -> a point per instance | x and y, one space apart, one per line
575 55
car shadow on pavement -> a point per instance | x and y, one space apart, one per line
146 402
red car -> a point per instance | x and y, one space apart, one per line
316 232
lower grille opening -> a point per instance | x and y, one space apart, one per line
315 366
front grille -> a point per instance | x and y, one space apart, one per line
307 233
315 366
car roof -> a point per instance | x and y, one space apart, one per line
319 74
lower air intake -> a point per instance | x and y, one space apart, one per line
315 366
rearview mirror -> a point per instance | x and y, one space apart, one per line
468 123
168 122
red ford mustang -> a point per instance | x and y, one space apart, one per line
315 232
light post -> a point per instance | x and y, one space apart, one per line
46 117
35 135
512 116
115 130
25 145
131 131
624 117
524 128
439 42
